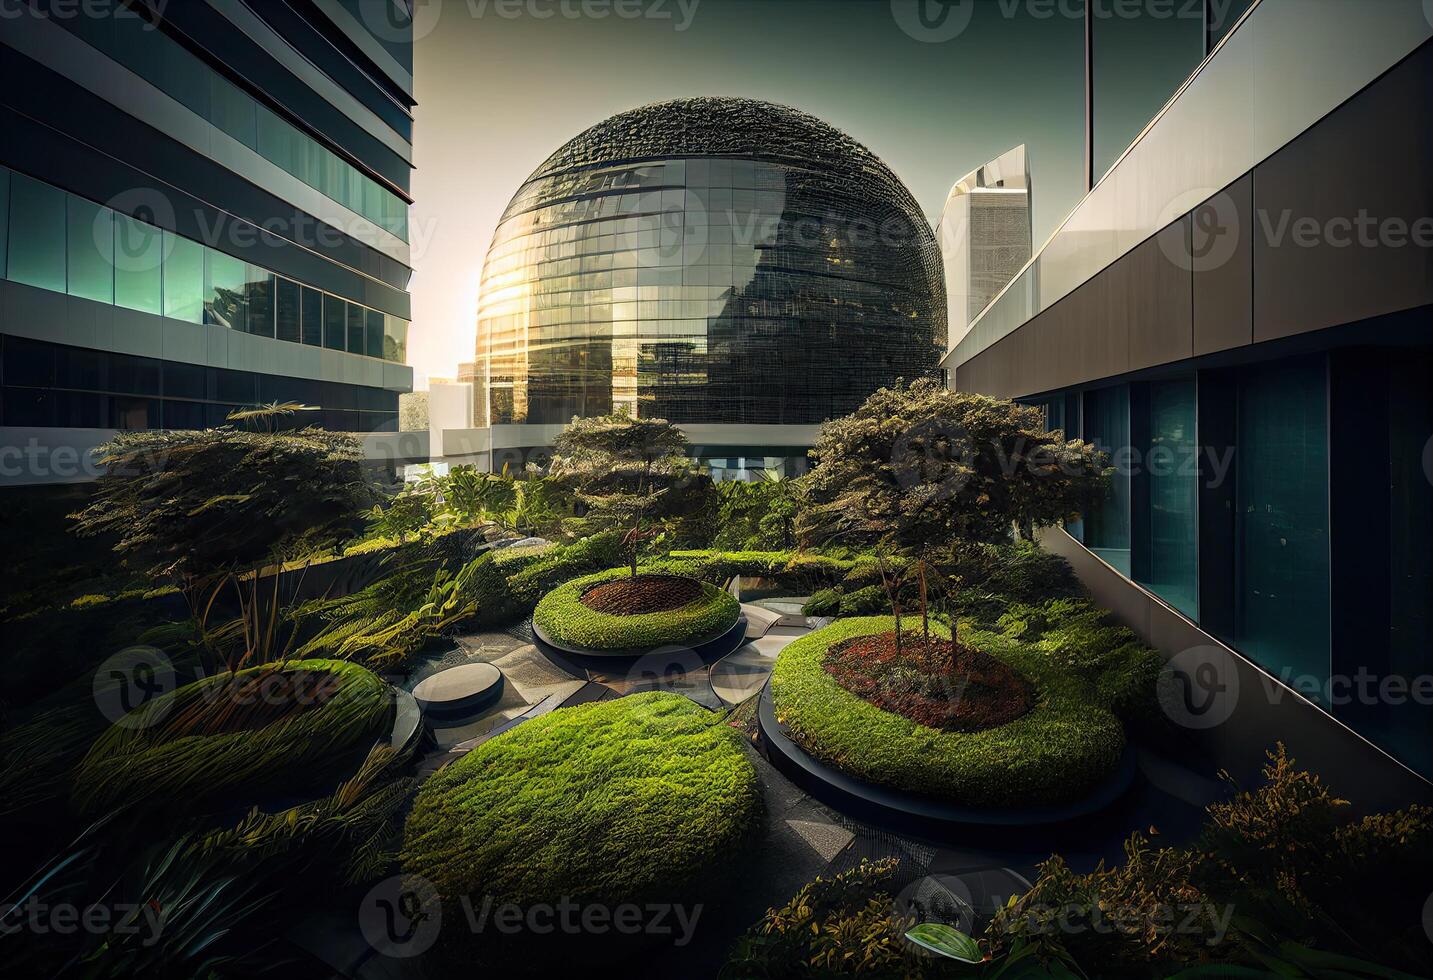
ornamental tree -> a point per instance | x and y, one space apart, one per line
624 470
919 466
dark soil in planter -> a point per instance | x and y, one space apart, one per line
643 594
949 687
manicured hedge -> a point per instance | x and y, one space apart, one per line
604 803
150 761
1055 754
562 616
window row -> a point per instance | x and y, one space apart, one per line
55 240
48 408
160 60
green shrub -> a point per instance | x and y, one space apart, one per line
565 619
1056 753
865 601
550 569
230 740
611 802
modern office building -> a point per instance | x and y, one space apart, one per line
984 235
713 261
203 205
1240 312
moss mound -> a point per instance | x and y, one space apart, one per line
233 740
602 804
565 618
1056 753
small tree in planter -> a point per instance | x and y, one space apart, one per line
624 469
919 466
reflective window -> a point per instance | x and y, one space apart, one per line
1107 521
312 317
37 234
183 279
395 339
1172 480
138 261
259 300
4 213
356 321
224 289
1282 596
90 250
373 333
287 313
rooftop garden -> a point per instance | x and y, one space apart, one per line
206 719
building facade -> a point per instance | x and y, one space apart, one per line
984 235
1239 313
709 261
203 206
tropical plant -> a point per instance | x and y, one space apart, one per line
473 495
623 469
756 515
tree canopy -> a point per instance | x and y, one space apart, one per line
921 465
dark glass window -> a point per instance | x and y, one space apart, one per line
185 381
1172 473
1107 520
373 332
287 315
1282 596
81 409
134 413
134 375
4 215
30 363
86 370
312 317
335 323
355 328
234 386
259 300
29 406
183 415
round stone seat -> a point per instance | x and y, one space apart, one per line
459 692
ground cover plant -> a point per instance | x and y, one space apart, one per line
1058 751
235 739
608 803
567 617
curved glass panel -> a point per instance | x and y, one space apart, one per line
705 289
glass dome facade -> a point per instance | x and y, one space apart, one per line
706 260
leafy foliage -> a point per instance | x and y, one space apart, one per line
919 464
189 504
562 616
756 515
1280 860
623 469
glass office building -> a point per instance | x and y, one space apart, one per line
707 260
1266 398
204 206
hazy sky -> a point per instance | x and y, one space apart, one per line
503 83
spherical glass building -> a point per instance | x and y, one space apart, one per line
710 260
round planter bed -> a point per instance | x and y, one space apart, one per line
685 613
1053 762
459 693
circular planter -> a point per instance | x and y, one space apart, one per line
565 623
1060 753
